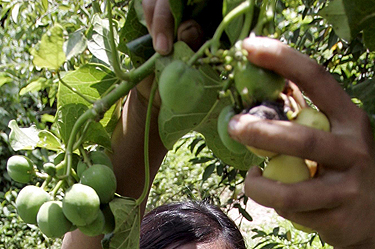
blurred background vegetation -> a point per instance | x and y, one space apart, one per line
190 171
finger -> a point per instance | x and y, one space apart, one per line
310 195
148 9
318 84
191 33
162 28
293 139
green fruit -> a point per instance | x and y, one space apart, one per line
20 168
96 227
287 169
257 84
181 87
50 169
28 202
312 118
100 157
52 221
222 127
81 167
260 152
81 204
109 225
102 180
302 228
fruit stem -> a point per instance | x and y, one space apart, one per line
115 57
146 145
78 143
248 21
46 182
56 188
239 10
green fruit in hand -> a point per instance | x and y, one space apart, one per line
20 168
102 180
28 202
257 84
302 228
287 169
52 221
260 152
100 157
312 118
81 204
96 227
181 87
50 169
109 225
222 128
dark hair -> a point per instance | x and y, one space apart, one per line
178 224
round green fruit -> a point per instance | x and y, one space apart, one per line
222 127
50 169
313 118
287 169
257 84
100 157
81 167
28 202
81 204
181 87
20 168
96 227
102 180
52 221
260 152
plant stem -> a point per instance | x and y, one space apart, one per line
115 57
239 10
57 187
146 145
248 21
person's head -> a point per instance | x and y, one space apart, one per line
176 225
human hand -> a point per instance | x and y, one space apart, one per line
160 24
339 202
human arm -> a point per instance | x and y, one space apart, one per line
339 203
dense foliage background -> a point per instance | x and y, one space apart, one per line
191 170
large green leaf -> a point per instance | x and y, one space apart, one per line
49 52
349 17
127 224
92 81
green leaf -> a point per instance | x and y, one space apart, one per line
234 28
177 9
75 44
91 80
30 138
48 53
99 44
127 223
36 85
4 78
349 17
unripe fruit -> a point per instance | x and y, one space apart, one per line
302 228
28 202
81 204
287 169
102 179
96 227
20 168
50 169
257 84
52 221
312 118
81 167
100 157
260 152
222 127
181 87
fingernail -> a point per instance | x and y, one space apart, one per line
162 44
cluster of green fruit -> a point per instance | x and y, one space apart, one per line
82 204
